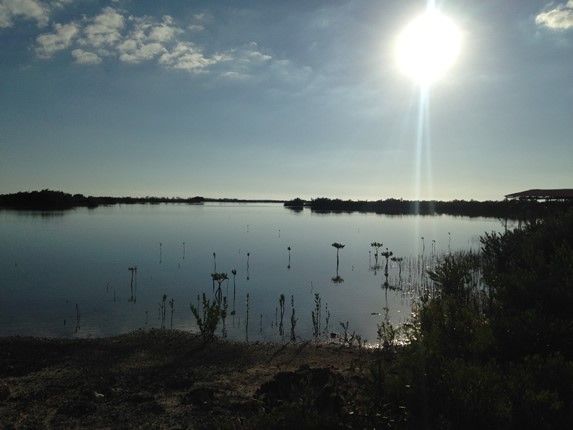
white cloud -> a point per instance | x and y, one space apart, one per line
558 18
132 51
112 34
85 57
147 39
61 38
186 56
26 9
105 29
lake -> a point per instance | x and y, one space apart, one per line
71 273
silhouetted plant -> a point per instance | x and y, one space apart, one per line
337 279
282 313
172 306
133 284
386 335
292 320
399 260
224 307
387 254
338 247
208 320
219 278
376 246
234 272
77 329
316 314
162 309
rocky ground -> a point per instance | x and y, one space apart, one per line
165 379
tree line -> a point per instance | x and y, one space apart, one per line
514 209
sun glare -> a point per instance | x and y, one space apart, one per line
427 47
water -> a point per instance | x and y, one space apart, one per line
66 274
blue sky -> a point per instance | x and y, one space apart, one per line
274 99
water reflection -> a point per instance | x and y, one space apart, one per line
44 272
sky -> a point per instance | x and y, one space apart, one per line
262 99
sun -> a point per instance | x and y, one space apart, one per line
427 47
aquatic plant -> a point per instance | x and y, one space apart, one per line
292 320
376 246
398 260
387 254
219 278
337 279
162 309
234 272
338 247
282 313
77 318
133 284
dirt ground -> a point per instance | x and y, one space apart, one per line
164 379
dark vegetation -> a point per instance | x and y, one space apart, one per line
513 209
58 200
499 355
506 209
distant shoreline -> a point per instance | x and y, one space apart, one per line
58 200
47 200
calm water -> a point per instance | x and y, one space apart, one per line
67 273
